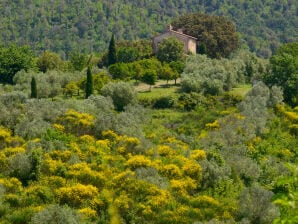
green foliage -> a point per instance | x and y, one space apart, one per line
33 88
216 33
55 214
127 54
78 60
211 76
121 93
287 197
284 65
168 73
112 54
89 83
120 71
49 61
149 77
170 49
256 206
12 60
202 49
264 24
164 102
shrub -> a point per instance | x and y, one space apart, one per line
56 214
164 102
122 94
76 195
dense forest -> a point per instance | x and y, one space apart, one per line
63 26
96 129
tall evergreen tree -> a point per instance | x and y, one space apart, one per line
202 49
33 88
112 56
89 83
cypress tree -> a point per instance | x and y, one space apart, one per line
112 57
89 83
33 88
202 49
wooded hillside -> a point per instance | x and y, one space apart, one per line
66 25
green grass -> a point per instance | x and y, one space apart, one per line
241 90
157 92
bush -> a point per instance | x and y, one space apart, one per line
56 214
164 102
122 94
255 205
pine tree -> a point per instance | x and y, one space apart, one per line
112 57
33 88
89 83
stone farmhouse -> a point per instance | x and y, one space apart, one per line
190 43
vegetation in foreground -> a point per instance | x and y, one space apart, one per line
78 144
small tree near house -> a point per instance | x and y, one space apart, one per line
150 78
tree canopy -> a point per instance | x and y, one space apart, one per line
170 49
12 60
217 33
284 71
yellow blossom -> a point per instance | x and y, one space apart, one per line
76 195
138 161
165 150
198 154
171 171
213 126
59 127
88 213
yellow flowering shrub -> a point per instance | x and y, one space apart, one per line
103 144
146 210
84 174
76 122
292 116
138 161
13 151
121 178
198 154
12 185
165 150
51 166
53 181
3 162
123 202
176 143
88 213
109 134
171 171
5 135
12 199
59 127
87 139
76 195
285 154
38 194
213 126
160 200
64 156
203 201
192 169
183 186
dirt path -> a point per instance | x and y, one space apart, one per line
142 87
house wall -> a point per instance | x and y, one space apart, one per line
188 43
192 46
